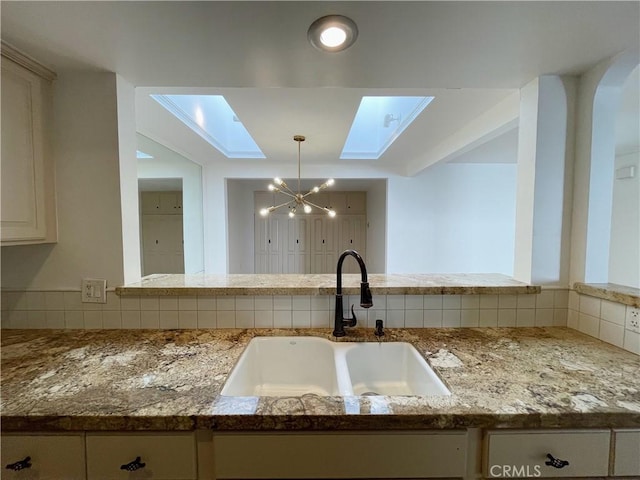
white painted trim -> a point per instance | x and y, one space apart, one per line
31 64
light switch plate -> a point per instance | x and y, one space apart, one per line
94 290
633 319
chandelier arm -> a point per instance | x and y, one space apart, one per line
292 195
309 193
314 205
286 190
283 204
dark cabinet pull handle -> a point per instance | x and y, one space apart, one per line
555 462
297 241
269 240
21 465
133 466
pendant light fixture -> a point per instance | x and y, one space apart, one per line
298 201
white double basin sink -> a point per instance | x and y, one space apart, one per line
296 366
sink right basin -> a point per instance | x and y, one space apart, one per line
394 368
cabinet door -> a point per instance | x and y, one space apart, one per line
277 240
261 244
150 203
296 255
171 203
524 453
165 456
51 456
23 162
317 245
303 242
357 203
162 245
338 202
353 233
322 455
626 453
325 245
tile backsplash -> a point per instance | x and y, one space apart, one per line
65 310
602 319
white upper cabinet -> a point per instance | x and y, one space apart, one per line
28 214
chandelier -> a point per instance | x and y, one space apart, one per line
297 200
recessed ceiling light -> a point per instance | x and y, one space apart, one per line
332 33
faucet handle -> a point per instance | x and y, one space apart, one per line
351 322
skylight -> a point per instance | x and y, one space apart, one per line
141 154
211 117
377 124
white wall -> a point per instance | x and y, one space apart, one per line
168 164
599 92
241 223
128 181
624 259
545 158
86 152
453 218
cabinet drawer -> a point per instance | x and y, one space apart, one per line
166 456
524 453
346 455
626 453
51 456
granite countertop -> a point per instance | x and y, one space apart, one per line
610 291
325 284
170 380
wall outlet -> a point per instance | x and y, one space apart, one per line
633 319
94 290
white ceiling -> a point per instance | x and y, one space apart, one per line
469 55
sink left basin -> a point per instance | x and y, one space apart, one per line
284 366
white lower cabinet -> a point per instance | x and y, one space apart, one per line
43 456
626 453
153 455
388 455
208 455
546 453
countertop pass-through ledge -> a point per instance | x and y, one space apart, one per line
143 380
325 284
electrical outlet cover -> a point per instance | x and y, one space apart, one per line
94 290
633 319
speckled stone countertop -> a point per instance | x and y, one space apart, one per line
171 380
610 291
325 284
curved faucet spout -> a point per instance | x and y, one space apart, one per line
366 300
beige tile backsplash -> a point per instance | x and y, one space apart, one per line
602 319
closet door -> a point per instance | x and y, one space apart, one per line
269 244
353 237
163 250
296 255
324 245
